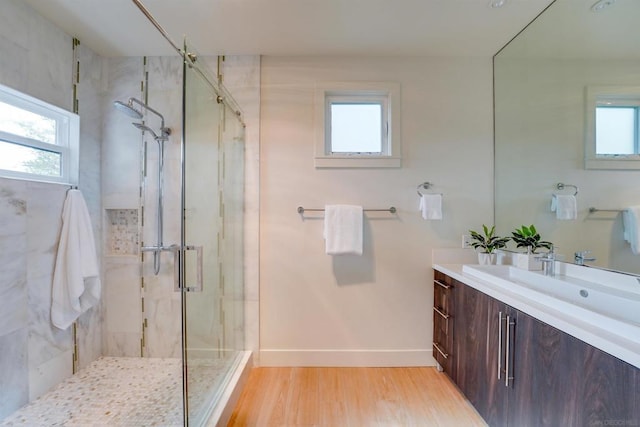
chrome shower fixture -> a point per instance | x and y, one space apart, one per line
134 113
146 128
130 110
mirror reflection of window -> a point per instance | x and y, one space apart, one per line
617 130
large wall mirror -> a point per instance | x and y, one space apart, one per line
544 80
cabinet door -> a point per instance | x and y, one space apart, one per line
544 375
562 381
606 390
476 345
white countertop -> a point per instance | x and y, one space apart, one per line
623 346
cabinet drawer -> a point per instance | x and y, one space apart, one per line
442 291
443 288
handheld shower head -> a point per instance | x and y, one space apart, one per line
164 132
146 128
128 109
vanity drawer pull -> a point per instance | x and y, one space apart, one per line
444 316
444 285
437 347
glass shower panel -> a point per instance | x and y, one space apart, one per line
232 180
212 241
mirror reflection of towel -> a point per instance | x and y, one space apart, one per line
431 206
631 222
565 206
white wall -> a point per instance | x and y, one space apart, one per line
374 309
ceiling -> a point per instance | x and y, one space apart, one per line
295 27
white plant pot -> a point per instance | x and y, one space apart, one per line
486 259
528 261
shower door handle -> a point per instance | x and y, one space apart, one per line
197 287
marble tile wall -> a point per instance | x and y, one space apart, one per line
121 172
37 59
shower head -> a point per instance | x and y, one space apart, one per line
146 128
128 109
164 132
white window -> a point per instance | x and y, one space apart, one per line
38 141
357 125
616 129
613 127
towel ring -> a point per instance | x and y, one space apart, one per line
426 185
561 186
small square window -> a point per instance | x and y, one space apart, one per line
612 131
616 130
357 125
355 128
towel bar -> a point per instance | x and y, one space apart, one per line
391 209
592 210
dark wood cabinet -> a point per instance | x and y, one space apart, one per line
519 371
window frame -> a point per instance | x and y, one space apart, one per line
386 94
605 96
67 138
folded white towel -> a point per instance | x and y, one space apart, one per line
431 206
565 206
343 229
76 281
631 224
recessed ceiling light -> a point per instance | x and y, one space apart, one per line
601 5
496 4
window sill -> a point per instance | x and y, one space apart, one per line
357 162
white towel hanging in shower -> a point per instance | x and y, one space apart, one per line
76 280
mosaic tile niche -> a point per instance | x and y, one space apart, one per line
122 232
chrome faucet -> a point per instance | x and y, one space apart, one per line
580 257
548 261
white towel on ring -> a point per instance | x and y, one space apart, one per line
431 206
76 280
343 229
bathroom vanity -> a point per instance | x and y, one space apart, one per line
525 354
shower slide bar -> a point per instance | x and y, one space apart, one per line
177 252
391 209
223 94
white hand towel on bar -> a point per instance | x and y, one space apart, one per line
431 206
565 206
631 224
76 281
343 229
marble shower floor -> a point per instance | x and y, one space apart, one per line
120 391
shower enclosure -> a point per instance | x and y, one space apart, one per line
165 343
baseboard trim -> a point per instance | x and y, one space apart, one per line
347 358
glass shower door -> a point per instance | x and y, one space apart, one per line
211 267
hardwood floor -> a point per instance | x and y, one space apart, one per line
352 397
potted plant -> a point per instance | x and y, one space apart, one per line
486 244
528 237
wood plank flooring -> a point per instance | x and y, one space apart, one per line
352 397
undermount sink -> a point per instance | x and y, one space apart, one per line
617 298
